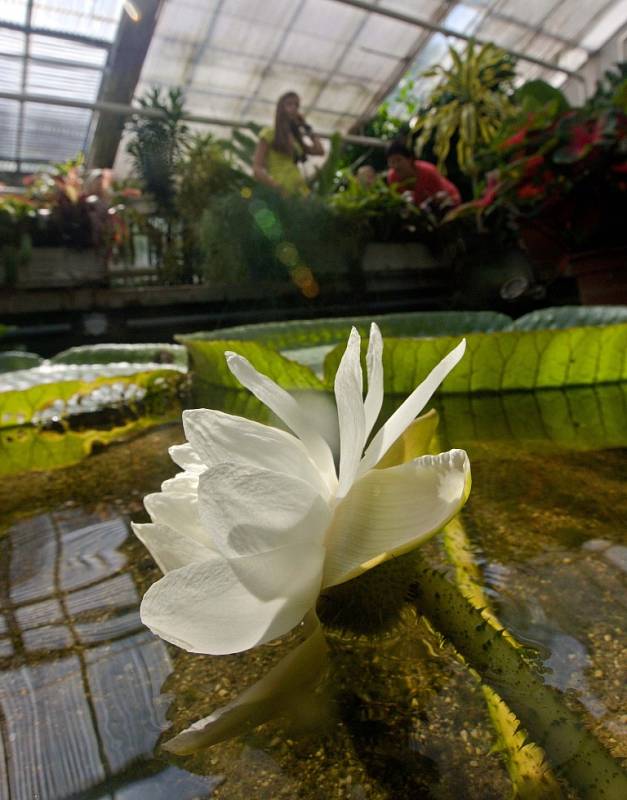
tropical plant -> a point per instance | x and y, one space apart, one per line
378 212
611 90
567 175
157 145
258 234
206 168
468 106
539 96
240 148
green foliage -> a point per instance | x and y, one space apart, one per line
242 145
208 364
468 105
261 235
210 168
157 144
611 90
540 97
506 361
325 180
222 254
207 168
377 211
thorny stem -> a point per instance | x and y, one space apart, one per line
572 750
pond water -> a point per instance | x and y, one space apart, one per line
87 694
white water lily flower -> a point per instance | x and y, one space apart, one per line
259 522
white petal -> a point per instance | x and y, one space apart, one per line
182 483
217 437
251 510
410 409
374 364
184 456
286 408
178 511
168 548
391 511
350 412
278 690
206 608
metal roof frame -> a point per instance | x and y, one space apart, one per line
233 56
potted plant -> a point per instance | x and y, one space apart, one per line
563 183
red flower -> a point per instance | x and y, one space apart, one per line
515 139
533 165
528 191
585 136
621 168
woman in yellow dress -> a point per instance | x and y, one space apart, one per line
282 148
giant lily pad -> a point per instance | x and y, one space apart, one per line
112 353
305 333
506 360
292 353
546 348
28 448
11 360
569 317
208 364
57 390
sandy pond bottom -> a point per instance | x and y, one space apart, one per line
86 692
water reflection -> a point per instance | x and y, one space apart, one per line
82 682
585 418
80 687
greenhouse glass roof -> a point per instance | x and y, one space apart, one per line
56 48
234 58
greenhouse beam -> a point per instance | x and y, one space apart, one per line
433 26
91 41
124 66
129 111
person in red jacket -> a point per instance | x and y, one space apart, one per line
420 178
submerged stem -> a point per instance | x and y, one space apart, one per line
569 746
526 762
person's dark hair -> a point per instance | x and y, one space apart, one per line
397 147
284 127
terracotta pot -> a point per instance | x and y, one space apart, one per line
601 276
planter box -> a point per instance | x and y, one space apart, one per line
60 267
394 256
601 276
